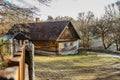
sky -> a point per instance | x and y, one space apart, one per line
66 7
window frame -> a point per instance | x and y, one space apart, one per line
71 43
65 45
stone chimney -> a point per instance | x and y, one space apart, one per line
37 20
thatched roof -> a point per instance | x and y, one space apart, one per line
42 30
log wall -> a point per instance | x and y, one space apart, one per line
51 46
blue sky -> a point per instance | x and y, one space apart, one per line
66 7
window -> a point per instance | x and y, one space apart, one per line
71 44
65 45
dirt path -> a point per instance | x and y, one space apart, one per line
112 54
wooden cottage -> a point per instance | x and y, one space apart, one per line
59 37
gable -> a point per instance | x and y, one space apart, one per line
68 34
73 31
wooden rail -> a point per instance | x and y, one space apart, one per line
20 58
21 64
17 68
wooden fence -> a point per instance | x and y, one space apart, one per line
18 69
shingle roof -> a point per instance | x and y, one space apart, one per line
41 31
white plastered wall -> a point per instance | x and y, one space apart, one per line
69 49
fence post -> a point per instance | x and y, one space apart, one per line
22 64
33 61
30 59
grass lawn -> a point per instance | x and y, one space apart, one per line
77 67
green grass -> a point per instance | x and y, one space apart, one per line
77 67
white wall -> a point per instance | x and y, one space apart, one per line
69 49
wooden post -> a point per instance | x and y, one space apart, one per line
22 64
18 74
30 59
1 53
11 48
33 61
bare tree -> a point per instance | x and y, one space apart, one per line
103 29
108 27
86 22
64 18
116 27
50 18
11 14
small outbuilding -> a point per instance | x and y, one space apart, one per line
58 37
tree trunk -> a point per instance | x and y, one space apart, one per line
103 42
83 42
117 46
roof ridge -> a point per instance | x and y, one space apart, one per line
51 21
44 22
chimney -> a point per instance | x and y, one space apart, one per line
37 20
